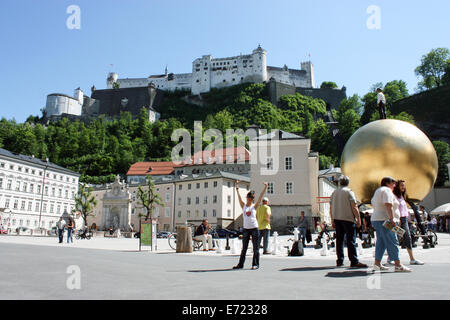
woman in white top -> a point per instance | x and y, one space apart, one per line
385 206
250 226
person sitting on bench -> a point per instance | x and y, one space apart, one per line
201 234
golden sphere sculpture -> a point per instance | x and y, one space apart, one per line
389 148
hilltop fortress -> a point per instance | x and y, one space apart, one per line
209 72
132 94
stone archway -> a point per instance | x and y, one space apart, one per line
115 218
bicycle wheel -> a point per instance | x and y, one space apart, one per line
173 241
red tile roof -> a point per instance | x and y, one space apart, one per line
227 155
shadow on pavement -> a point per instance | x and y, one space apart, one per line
309 269
348 274
212 270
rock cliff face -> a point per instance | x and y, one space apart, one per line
431 111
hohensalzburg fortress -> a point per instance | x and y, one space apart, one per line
209 72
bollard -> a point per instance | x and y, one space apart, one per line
324 251
275 243
296 232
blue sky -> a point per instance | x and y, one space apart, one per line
39 55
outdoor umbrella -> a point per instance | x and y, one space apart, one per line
443 210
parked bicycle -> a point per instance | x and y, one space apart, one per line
83 234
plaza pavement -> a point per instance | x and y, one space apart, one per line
37 268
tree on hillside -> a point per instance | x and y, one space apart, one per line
328 84
393 91
443 153
149 198
85 202
432 68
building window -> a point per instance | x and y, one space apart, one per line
38 189
214 199
9 184
44 207
53 192
188 213
205 200
205 214
229 213
289 220
270 188
6 203
189 186
66 194
60 193
198 185
179 201
188 200
16 204
288 163
31 188
52 207
1 183
214 213
24 187
46 191
18 186
180 187
228 199
197 200
30 206
206 184
22 205
215 184
167 212
179 214
167 197
289 187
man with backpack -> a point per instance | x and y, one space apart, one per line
345 218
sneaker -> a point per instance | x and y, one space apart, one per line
339 264
267 252
402 268
238 267
205 249
390 262
418 262
255 267
358 265
379 268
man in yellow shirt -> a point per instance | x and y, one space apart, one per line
263 216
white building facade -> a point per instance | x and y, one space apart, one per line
209 72
34 193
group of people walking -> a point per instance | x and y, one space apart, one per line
389 209
61 226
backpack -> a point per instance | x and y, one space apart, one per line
297 249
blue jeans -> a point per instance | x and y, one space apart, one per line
386 240
69 235
302 234
255 241
60 235
265 233
346 229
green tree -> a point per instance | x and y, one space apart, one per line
149 198
393 91
432 68
443 153
328 84
85 202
